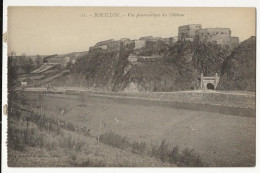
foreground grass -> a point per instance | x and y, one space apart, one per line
50 141
186 158
38 139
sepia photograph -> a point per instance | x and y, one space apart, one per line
131 86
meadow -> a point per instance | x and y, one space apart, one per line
69 130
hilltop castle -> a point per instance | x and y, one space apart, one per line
191 32
115 45
220 36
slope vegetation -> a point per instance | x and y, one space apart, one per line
179 67
239 69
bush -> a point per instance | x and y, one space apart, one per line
162 151
174 155
115 140
187 158
190 158
118 141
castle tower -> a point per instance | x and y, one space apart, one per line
188 32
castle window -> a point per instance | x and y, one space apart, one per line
222 33
216 32
208 33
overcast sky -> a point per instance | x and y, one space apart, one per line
58 30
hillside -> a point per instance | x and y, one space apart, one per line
179 68
97 69
239 70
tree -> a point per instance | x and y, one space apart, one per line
38 61
28 66
22 59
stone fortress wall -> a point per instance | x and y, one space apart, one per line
220 36
188 32
216 35
191 32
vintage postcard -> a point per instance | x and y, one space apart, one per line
131 87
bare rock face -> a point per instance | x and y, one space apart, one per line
239 70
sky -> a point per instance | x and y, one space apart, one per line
60 30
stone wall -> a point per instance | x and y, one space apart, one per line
216 35
140 44
220 36
188 31
114 46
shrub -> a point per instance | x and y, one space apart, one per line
162 151
115 140
174 155
190 158
118 141
187 158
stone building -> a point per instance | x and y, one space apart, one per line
146 38
114 46
139 44
143 41
215 35
188 32
126 42
102 45
220 36
169 40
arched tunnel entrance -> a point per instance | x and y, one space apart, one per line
210 86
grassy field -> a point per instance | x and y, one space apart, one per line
69 127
